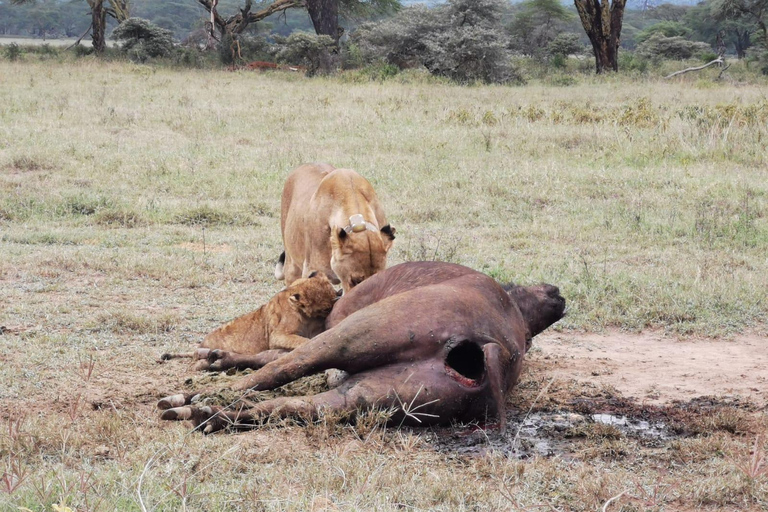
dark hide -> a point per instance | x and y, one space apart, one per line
437 342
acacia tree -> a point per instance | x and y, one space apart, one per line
754 11
602 21
323 13
538 23
100 9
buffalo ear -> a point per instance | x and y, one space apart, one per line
389 231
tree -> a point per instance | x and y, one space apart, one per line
536 24
602 20
755 11
323 13
665 28
671 47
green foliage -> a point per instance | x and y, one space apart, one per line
631 61
357 9
143 40
305 49
82 51
666 29
536 24
246 48
676 48
462 40
13 52
564 45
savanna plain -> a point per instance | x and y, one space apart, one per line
139 210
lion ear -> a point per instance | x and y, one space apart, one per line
294 299
342 235
389 231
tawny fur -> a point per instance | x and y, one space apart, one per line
317 202
287 321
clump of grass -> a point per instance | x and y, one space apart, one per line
119 322
723 419
204 216
27 163
595 431
81 204
120 218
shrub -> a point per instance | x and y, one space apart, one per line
309 50
82 51
631 61
664 28
565 44
13 51
143 40
659 46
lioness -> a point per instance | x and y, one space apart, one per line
332 221
287 321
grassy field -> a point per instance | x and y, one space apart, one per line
34 41
139 209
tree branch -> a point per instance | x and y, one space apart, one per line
80 38
278 6
698 68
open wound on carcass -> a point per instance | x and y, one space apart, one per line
466 363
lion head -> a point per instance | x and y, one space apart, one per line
312 296
357 256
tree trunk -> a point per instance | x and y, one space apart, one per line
741 42
99 21
325 17
602 22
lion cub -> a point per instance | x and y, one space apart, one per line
287 321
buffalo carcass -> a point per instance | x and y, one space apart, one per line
435 342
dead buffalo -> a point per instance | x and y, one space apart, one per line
435 342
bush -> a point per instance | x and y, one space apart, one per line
143 40
676 48
631 61
664 28
314 52
462 40
565 44
559 61
82 51
13 51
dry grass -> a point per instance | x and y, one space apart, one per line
138 210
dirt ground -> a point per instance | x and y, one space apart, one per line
657 370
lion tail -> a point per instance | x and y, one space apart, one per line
279 274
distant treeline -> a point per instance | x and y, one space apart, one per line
67 18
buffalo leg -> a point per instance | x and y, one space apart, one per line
416 393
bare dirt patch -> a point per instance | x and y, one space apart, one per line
657 370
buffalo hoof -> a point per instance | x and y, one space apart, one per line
206 419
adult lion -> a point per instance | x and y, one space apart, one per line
331 221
